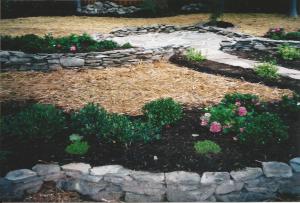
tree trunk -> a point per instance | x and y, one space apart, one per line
78 5
294 12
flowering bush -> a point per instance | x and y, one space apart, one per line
245 116
275 33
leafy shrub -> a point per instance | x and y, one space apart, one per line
207 147
91 120
276 33
293 36
127 46
266 128
267 71
77 147
290 105
289 53
150 6
72 43
38 121
249 101
163 111
194 55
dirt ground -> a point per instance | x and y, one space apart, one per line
256 24
126 90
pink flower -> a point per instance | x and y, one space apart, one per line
242 130
242 111
238 103
215 127
204 122
73 48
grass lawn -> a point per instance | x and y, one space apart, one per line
256 24
126 90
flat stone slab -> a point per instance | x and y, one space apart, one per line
228 187
80 168
182 178
72 62
295 164
215 177
45 169
21 175
277 169
246 174
103 170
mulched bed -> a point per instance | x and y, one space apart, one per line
174 150
262 56
249 75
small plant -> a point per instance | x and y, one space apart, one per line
266 128
276 33
163 112
77 146
290 105
249 101
194 55
267 70
38 121
207 147
127 46
293 36
289 53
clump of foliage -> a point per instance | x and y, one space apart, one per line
194 55
293 36
92 120
267 70
39 121
163 112
150 6
288 52
280 34
207 147
77 146
73 43
266 128
244 115
290 105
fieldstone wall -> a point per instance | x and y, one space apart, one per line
108 8
114 182
256 44
15 60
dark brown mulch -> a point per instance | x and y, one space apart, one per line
249 75
263 56
174 151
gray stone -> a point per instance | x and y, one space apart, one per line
262 185
45 169
245 197
292 186
109 193
182 178
103 170
246 174
277 169
214 177
132 197
229 186
7 192
21 175
71 62
17 60
295 164
55 67
76 168
4 54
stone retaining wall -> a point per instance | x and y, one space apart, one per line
114 182
256 44
15 60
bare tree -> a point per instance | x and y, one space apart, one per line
293 11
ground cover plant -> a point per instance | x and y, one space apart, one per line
194 55
226 133
48 44
281 34
288 52
267 70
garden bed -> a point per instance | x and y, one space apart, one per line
213 67
174 151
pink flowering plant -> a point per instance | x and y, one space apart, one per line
276 33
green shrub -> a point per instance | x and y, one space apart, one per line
289 53
276 33
267 71
194 55
293 36
38 121
207 147
127 46
290 105
92 120
163 111
35 44
77 146
266 128
249 101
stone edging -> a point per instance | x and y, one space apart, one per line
114 182
15 60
